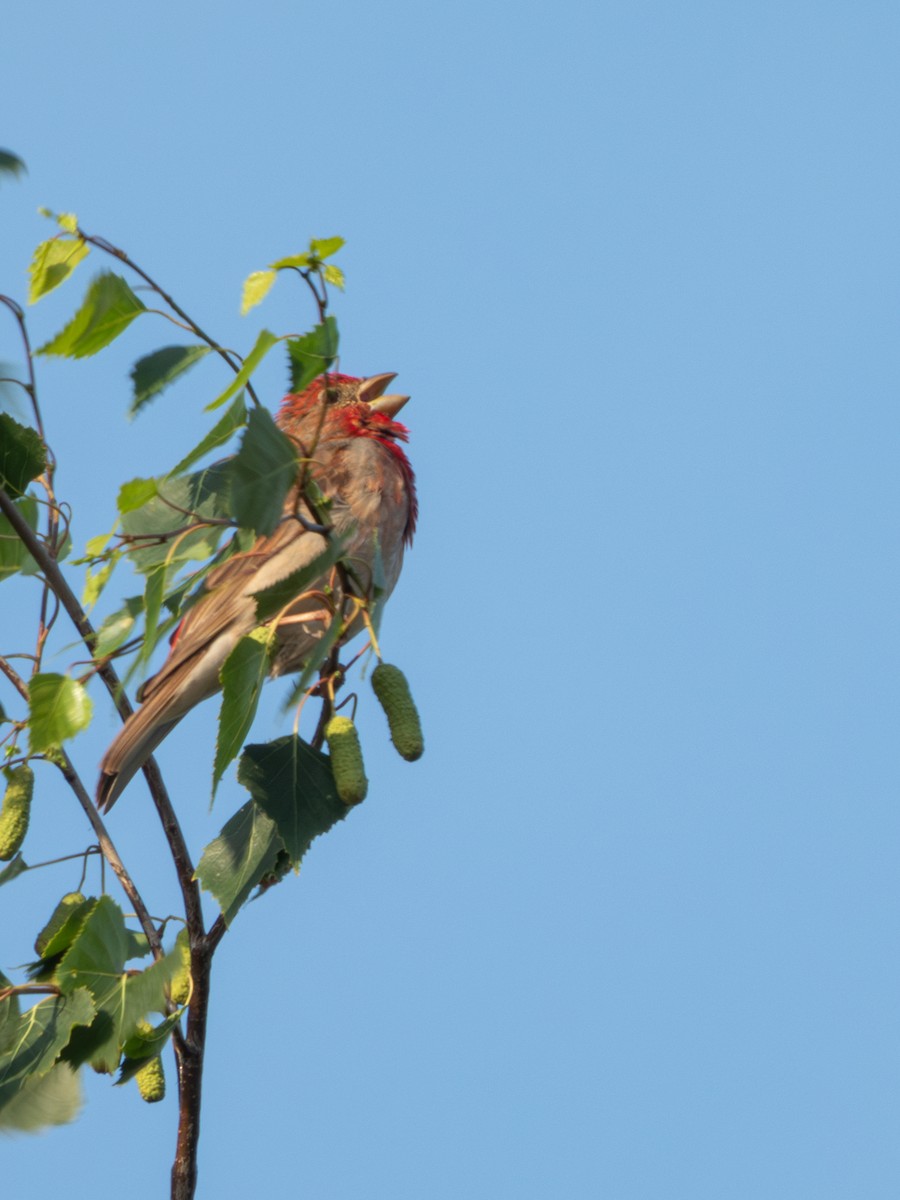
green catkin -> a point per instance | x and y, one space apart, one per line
151 1078
60 915
346 760
16 810
394 696
151 1081
180 987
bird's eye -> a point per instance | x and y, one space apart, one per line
331 396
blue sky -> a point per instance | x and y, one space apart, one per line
629 928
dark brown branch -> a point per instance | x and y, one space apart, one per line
190 1071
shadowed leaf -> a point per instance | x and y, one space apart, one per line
243 674
293 784
313 353
154 372
234 862
262 473
22 455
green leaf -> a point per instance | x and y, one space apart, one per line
59 707
96 960
234 862
96 545
264 344
53 262
153 373
22 455
11 164
293 784
144 1044
118 626
334 276
262 473
235 418
59 942
312 354
43 1100
67 222
13 555
107 310
243 673
256 288
204 494
33 1040
153 598
13 870
94 583
300 261
135 494
325 247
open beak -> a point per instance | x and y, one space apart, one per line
371 390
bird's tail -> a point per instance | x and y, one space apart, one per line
133 745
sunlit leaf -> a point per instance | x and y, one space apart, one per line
59 707
325 247
94 583
135 494
256 288
96 545
264 343
154 372
300 261
118 626
334 275
53 262
107 310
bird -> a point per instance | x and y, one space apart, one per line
349 442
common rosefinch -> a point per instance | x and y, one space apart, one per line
350 441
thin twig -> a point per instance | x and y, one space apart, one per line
183 865
60 759
102 244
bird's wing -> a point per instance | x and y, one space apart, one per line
227 605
